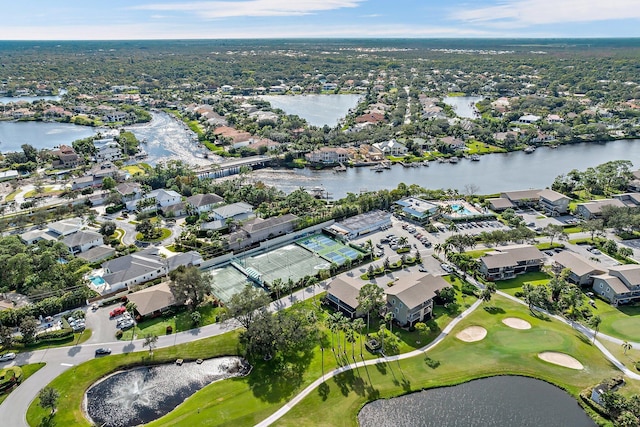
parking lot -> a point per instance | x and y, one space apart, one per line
429 263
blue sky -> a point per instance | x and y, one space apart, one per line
170 19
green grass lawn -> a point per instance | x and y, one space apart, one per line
478 253
76 339
514 285
477 147
27 371
574 229
179 322
620 322
46 190
503 351
165 233
11 196
629 359
134 170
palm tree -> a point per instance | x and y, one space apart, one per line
358 326
403 241
594 322
333 321
626 346
350 335
389 318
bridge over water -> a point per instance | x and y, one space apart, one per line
233 167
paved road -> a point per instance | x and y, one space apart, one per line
14 408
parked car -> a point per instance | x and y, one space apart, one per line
117 311
446 267
595 251
103 351
7 356
422 270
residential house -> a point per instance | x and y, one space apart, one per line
65 157
9 175
554 118
107 152
582 270
453 143
631 200
97 253
522 198
553 203
410 300
235 211
509 261
391 148
634 184
115 116
95 175
202 203
593 209
82 241
500 204
417 209
129 192
153 300
257 230
343 295
528 119
65 227
140 267
371 118
328 155
621 285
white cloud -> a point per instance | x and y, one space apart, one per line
520 13
227 9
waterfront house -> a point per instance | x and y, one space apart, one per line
65 157
509 261
621 285
371 118
593 209
582 270
410 300
328 155
498 204
522 198
452 142
115 116
553 203
391 148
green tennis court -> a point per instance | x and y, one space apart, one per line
329 249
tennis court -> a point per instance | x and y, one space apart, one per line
289 261
329 249
228 281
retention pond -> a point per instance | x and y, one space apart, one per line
489 402
141 395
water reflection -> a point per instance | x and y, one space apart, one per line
144 394
490 402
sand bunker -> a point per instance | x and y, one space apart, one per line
515 323
472 333
560 359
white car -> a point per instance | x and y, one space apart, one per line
7 356
446 267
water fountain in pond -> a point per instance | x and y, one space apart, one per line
141 395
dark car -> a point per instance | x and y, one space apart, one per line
103 351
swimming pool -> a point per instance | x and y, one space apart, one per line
462 211
97 280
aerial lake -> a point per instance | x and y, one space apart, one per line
14 99
318 110
40 134
464 106
492 174
489 402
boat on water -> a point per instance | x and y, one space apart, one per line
454 159
378 168
530 149
475 158
443 160
425 163
340 168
